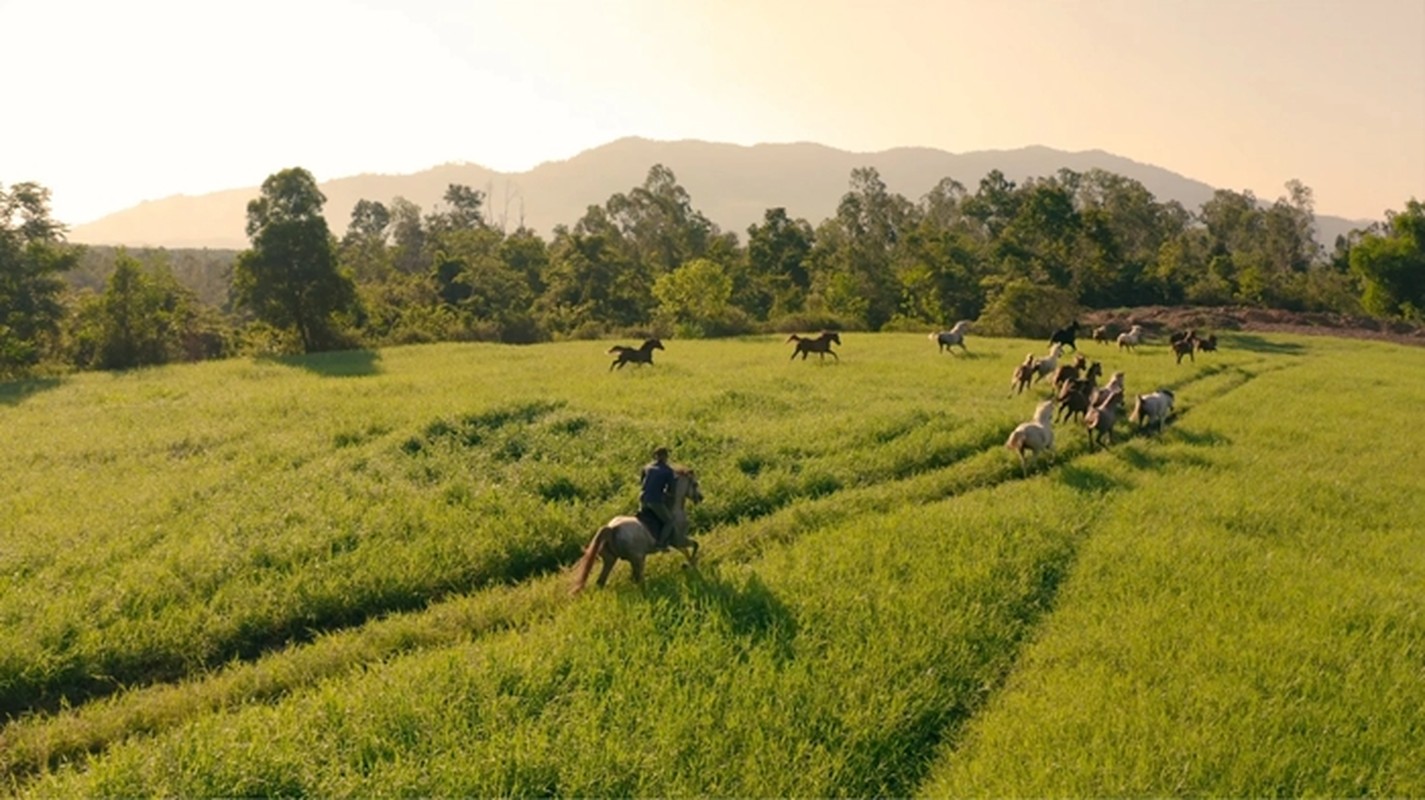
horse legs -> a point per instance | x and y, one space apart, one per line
690 552
609 561
637 563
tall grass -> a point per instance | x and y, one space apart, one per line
1249 626
346 566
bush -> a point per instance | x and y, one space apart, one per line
1021 308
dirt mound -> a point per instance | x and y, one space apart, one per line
1163 320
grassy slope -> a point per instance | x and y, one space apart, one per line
820 656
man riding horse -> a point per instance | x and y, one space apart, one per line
658 479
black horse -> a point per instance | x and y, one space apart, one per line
821 345
643 354
1066 335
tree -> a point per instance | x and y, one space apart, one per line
289 278
466 212
409 236
144 317
660 223
777 280
32 256
1391 265
695 296
363 249
853 250
594 283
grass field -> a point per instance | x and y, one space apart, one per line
346 575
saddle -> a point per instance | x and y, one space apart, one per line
654 525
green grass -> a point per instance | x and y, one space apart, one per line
341 575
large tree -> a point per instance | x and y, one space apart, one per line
32 256
289 278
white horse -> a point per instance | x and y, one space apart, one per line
1046 365
630 539
1035 436
1130 338
952 337
1152 409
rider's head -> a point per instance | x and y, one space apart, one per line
660 454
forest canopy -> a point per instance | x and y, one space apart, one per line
647 260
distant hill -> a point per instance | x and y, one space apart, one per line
732 185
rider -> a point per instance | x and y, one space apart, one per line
658 479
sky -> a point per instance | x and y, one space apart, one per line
112 103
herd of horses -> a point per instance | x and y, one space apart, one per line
1075 394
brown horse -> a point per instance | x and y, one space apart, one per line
821 345
630 539
643 354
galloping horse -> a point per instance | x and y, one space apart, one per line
630 539
643 354
1066 336
821 345
956 335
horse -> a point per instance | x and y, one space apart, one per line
1075 395
1066 336
1185 346
1045 366
952 337
1130 338
1102 334
1022 375
631 539
1070 372
821 345
643 354
1034 436
1100 419
1152 409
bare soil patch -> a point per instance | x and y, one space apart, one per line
1162 320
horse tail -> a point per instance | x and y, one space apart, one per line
934 336
1016 441
596 546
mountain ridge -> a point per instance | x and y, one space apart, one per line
733 185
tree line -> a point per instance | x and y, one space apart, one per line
1018 258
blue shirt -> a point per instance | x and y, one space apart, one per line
657 483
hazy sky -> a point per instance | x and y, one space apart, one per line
110 103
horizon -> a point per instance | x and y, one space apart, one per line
159 98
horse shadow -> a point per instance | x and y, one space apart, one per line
1257 344
745 605
1199 438
334 364
1089 481
13 393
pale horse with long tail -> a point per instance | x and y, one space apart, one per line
630 539
1033 437
955 336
